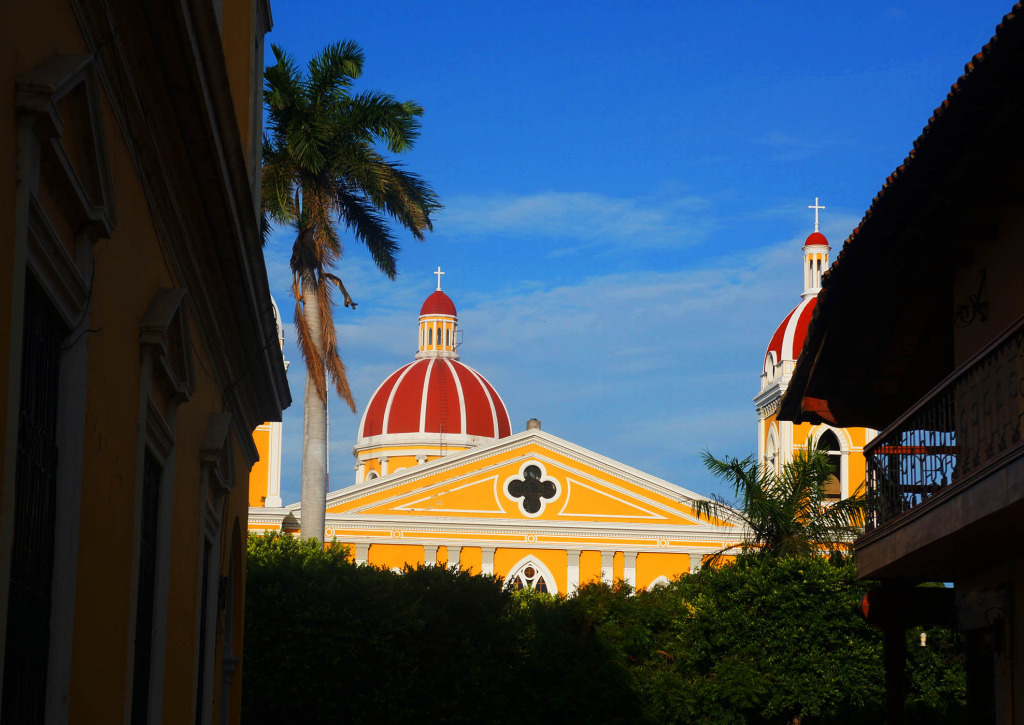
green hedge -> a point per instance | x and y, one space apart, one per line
758 641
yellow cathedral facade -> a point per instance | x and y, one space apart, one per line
441 479
779 441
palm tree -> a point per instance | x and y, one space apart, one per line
321 170
784 513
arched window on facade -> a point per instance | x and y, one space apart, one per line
531 574
829 444
771 452
430 336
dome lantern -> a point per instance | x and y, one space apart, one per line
439 324
816 249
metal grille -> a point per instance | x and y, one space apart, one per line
35 491
972 421
151 473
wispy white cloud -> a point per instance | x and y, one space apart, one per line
585 218
787 147
648 367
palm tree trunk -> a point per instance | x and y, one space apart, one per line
314 426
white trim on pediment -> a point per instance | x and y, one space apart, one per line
557 445
395 481
493 480
573 482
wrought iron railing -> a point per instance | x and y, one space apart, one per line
973 420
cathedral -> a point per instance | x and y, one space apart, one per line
441 479
778 441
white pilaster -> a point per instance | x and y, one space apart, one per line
785 443
695 562
761 438
383 465
454 552
273 499
429 556
573 572
360 472
844 475
487 560
362 554
629 574
607 559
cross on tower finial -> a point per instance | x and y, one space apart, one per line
439 273
816 208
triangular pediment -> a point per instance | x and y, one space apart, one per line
474 497
529 477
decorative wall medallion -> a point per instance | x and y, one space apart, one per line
532 489
396 534
975 307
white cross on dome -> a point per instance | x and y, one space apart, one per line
816 208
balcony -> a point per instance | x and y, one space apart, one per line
963 431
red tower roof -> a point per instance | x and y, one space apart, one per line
438 304
816 239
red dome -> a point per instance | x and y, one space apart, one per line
435 396
438 304
788 340
817 239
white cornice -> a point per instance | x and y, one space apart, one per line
523 439
478 530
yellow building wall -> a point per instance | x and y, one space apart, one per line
259 475
471 559
856 461
557 561
590 566
391 556
397 462
129 268
651 565
120 294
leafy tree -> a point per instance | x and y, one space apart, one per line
787 513
760 640
772 639
322 169
329 641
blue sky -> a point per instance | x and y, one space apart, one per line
626 194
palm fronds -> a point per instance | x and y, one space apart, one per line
322 172
784 513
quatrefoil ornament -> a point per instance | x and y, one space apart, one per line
532 489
